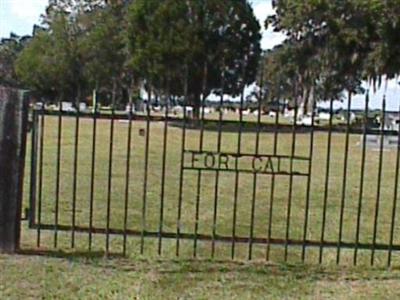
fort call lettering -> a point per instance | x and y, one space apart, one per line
263 164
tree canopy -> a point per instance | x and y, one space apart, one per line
74 54
90 44
52 63
10 48
119 45
209 37
351 40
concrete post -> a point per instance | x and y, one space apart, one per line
13 125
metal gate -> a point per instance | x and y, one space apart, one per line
233 184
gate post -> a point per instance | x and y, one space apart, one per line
13 127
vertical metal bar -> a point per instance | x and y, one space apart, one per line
344 184
164 164
239 149
146 169
110 170
395 195
255 175
75 172
92 175
378 192
33 178
236 193
308 192
181 175
40 191
362 176
199 173
291 179
327 173
58 168
127 174
219 141
272 193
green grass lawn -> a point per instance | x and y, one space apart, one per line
38 277
145 276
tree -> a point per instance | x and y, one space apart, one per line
33 70
9 51
52 63
208 37
106 52
384 59
70 8
294 71
341 34
352 40
81 51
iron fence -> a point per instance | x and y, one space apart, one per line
235 185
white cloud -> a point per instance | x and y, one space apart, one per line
263 9
29 11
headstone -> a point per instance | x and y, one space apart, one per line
189 112
67 107
324 116
129 108
374 141
246 112
82 107
272 114
306 121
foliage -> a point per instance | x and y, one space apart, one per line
76 54
331 46
384 60
104 47
93 44
52 64
9 51
206 37
351 40
71 8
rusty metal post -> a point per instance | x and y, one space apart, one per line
13 125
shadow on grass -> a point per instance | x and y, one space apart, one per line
117 262
232 126
69 255
246 126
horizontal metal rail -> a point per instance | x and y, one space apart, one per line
217 237
248 126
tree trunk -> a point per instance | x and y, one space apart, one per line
130 98
197 95
306 101
78 96
196 106
114 93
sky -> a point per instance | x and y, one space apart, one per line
18 16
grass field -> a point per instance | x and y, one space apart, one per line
36 277
188 278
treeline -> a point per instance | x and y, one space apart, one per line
171 47
195 47
331 47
